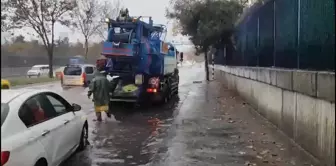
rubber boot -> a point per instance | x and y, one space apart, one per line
99 116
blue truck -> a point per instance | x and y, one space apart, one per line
142 67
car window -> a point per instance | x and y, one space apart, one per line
59 107
89 70
35 68
36 110
4 112
72 70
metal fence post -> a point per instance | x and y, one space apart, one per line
213 66
225 59
274 34
298 32
258 41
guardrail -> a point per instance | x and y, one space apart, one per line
16 71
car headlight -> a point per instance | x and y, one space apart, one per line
139 78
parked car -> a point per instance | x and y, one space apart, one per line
39 128
38 70
78 75
5 84
59 72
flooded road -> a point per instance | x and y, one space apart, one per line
205 125
132 135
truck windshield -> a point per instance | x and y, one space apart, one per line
122 66
122 35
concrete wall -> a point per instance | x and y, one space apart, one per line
300 103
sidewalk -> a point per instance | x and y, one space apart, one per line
214 127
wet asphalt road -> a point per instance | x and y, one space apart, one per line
132 136
202 126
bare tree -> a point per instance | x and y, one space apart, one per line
4 16
110 10
176 28
88 19
41 16
5 24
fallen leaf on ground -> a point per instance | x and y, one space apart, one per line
292 162
250 147
242 153
264 152
250 164
259 157
235 136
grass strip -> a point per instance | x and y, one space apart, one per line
16 81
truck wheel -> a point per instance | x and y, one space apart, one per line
176 91
165 97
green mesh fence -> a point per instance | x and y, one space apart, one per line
286 28
317 34
288 33
266 38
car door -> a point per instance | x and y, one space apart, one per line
89 71
72 131
47 130
46 70
43 71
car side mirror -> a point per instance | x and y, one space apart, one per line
76 107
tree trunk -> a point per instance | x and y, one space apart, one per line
50 61
86 48
206 62
51 50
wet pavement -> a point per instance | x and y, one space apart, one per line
205 125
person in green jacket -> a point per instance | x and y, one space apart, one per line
100 88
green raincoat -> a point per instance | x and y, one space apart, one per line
100 88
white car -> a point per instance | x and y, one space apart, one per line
39 128
38 70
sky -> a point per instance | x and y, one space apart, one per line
154 8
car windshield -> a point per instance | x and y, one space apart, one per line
73 70
4 112
35 68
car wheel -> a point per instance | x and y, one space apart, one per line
84 138
41 162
